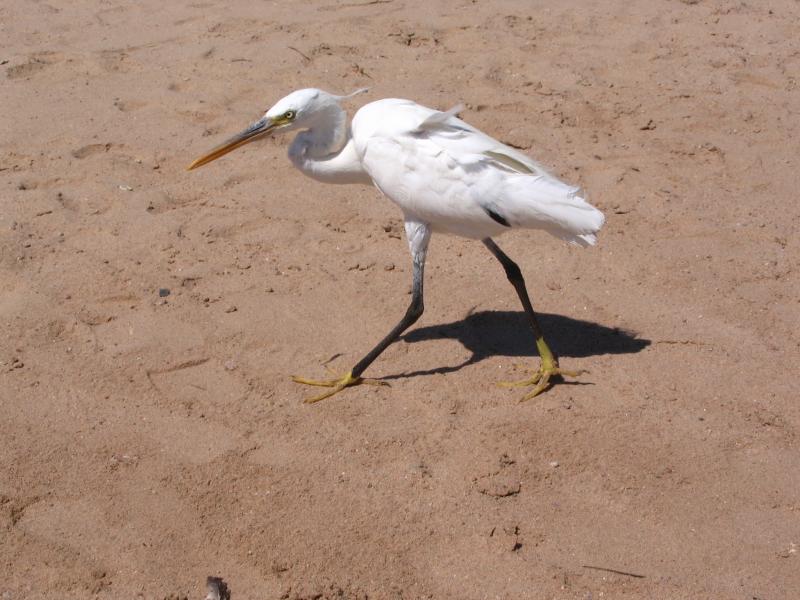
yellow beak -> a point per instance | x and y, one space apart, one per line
256 131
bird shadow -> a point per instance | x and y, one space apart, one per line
507 333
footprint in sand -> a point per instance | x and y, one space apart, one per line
90 149
36 63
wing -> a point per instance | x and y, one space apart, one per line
472 146
444 171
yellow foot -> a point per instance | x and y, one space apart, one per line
541 379
336 385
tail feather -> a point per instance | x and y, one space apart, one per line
549 204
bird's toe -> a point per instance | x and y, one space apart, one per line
542 379
335 385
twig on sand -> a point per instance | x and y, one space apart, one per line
614 571
353 4
300 53
331 359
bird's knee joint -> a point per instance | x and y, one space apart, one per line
415 310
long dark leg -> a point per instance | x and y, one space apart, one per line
418 240
515 277
413 314
549 366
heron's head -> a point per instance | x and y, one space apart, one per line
299 110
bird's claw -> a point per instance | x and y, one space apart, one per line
541 379
336 385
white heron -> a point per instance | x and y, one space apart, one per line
445 176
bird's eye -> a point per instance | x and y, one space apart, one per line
289 115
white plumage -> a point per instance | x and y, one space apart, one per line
445 176
441 170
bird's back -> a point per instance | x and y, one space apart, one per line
445 172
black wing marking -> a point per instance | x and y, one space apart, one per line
490 210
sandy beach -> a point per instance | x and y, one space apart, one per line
151 318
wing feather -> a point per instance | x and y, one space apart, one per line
460 179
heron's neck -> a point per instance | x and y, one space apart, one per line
325 151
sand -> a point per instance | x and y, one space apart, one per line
152 317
